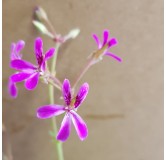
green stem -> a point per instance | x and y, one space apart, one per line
55 59
54 84
83 71
51 95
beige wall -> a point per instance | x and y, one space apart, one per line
127 98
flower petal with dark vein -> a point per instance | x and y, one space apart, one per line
70 108
26 71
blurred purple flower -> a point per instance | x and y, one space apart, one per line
108 43
26 70
70 107
16 49
15 54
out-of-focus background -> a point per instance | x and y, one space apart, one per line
124 108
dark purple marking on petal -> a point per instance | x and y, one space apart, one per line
81 95
49 111
66 91
112 42
65 128
80 125
22 65
97 40
12 89
49 54
113 56
105 37
18 77
32 81
39 50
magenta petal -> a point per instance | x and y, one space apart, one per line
19 46
66 91
49 54
112 42
39 50
114 56
105 37
18 77
21 65
12 47
32 81
43 66
79 125
97 40
12 52
65 128
81 95
12 89
49 111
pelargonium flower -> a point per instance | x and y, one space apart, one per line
28 71
70 108
15 54
105 46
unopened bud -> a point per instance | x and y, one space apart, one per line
40 14
72 34
42 28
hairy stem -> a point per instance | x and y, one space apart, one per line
54 84
83 71
51 95
50 26
55 59
55 80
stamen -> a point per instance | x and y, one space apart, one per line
100 52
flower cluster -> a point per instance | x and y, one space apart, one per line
41 17
30 73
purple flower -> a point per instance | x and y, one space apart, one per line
70 108
15 54
106 44
27 71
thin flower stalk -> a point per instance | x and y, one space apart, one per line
54 60
98 54
83 71
58 144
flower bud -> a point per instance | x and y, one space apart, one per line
42 28
40 14
72 34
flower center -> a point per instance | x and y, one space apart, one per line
71 106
